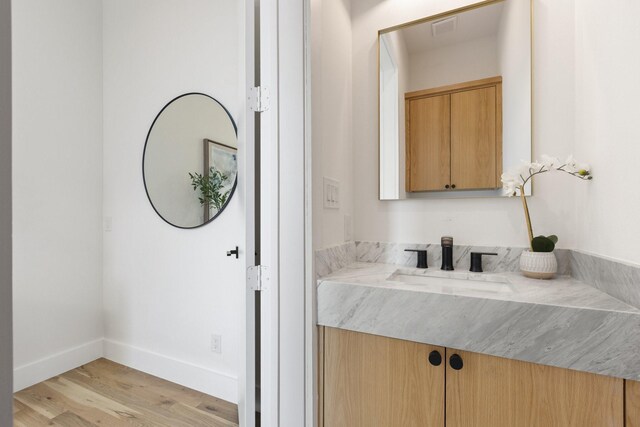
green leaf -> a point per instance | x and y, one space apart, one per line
553 238
210 187
542 244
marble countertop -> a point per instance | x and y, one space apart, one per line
561 322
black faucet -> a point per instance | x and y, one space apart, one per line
447 253
422 257
476 261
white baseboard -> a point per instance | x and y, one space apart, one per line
199 378
32 373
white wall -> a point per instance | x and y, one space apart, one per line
607 89
166 290
461 62
492 221
57 186
331 89
6 354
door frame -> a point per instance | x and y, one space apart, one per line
247 381
285 221
6 300
269 195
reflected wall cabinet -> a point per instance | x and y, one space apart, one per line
454 137
367 381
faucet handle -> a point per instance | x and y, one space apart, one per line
476 261
422 257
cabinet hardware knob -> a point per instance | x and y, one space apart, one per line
456 362
453 186
435 358
446 186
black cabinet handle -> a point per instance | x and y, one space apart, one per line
446 186
456 362
435 358
233 252
453 186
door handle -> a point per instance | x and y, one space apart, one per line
233 252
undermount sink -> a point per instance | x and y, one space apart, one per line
450 282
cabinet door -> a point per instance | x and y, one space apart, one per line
473 139
375 381
428 147
497 392
632 397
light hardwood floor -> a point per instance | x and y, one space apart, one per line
104 393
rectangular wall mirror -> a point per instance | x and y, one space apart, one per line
455 101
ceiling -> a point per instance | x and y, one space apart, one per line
471 25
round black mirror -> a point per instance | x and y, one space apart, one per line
190 162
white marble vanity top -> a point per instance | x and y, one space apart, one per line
562 291
561 322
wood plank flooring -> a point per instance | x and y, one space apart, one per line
104 393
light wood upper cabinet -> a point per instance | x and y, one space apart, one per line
428 132
375 381
454 137
473 139
498 392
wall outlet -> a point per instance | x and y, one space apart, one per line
331 193
216 344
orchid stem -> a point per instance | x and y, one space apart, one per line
526 216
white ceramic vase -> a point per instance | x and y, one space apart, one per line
538 265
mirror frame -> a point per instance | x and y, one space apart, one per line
462 194
144 153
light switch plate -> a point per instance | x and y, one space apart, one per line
331 193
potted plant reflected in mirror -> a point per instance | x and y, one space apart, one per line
539 261
212 189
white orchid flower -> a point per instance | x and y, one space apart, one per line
509 188
521 174
584 169
571 164
522 171
535 166
512 180
517 178
550 162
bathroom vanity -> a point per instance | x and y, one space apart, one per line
430 107
415 347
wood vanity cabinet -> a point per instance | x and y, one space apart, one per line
632 403
498 392
375 381
368 380
454 137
